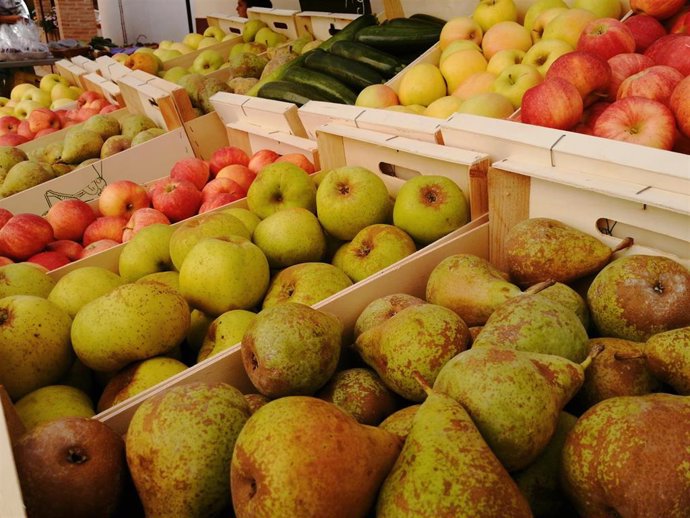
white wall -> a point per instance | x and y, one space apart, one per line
155 19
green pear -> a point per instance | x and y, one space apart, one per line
114 145
136 378
25 279
79 376
269 37
514 397
147 252
193 84
49 154
170 278
225 331
470 286
279 186
255 401
246 216
135 123
211 86
400 422
296 439
381 309
250 28
146 135
629 456
637 296
132 322
283 333
418 339
82 285
446 469
35 338
568 297
81 144
105 125
533 323
9 157
668 357
179 445
361 393
25 175
307 283
53 402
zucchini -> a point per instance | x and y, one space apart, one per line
277 74
350 72
428 18
399 39
386 64
327 85
290 92
350 30
407 22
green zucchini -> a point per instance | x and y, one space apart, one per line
350 72
428 18
386 64
407 22
277 74
290 92
350 30
399 39
327 85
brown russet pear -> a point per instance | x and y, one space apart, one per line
400 422
446 470
568 297
628 457
255 401
300 456
668 357
514 397
419 338
381 309
470 286
538 249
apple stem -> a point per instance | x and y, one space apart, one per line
626 243
420 379
540 286
628 15
596 351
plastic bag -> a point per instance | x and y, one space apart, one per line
21 41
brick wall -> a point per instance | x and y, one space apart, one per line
76 19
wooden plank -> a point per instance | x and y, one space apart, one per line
264 113
206 134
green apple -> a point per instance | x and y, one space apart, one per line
145 50
192 40
48 81
515 80
24 278
23 108
207 42
544 52
229 37
170 278
214 32
167 54
537 8
181 47
246 216
53 402
61 91
147 252
374 248
218 275
250 28
165 44
18 91
488 104
428 207
37 95
350 198
278 186
568 25
269 37
225 331
601 8
290 236
490 12
4 101
175 73
80 286
207 61
503 58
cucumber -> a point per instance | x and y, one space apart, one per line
399 39
290 92
350 30
327 85
407 22
386 64
350 72
428 18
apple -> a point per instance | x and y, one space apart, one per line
192 40
5 216
88 99
19 90
377 96
177 199
503 36
487 104
645 30
671 50
214 32
183 48
192 169
536 8
589 118
488 13
62 104
218 200
306 283
460 28
515 80
8 124
97 247
655 82
681 25
109 108
679 103
50 260
555 103
503 58
13 139
42 118
542 20
602 8
225 156
239 173
660 9
606 37
142 218
25 130
299 159
222 185
166 54
68 248
207 61
568 25
261 159
122 198
623 66
589 73
457 45
639 121
460 65
5 260
24 235
61 91
37 95
544 52
105 227
25 107
85 113
479 82
69 218
206 42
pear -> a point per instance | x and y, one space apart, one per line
179 445
279 336
135 123
250 28
668 357
470 286
629 456
539 249
568 297
25 175
49 154
169 278
514 397
247 64
35 338
361 393
381 309
255 401
9 157
53 402
241 85
59 169
114 145
105 125
247 217
533 323
79 376
81 144
193 85
302 456
146 135
400 422
82 285
225 331
25 279
198 327
419 338
447 469
147 252
132 322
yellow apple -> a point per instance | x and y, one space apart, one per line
545 52
456 45
207 41
24 108
460 28
144 50
61 91
488 104
181 47
503 58
477 83
515 80
215 32
490 12
166 54
505 35
62 103
192 40
601 8
37 95
460 65
49 81
19 90
568 25
539 7
421 84
165 44
443 107
377 96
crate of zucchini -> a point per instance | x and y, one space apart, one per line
363 53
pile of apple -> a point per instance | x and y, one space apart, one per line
561 67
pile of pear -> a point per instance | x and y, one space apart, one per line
101 136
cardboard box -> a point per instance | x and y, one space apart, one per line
278 20
231 24
186 60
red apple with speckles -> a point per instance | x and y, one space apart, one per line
261 159
71 249
192 169
606 37
622 67
587 72
645 29
50 260
105 227
97 247
177 199
219 185
555 103
239 173
225 156
299 160
679 103
143 218
122 198
655 83
24 235
672 50
69 218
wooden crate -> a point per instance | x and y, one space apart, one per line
206 134
322 26
231 24
110 68
97 83
186 60
73 73
278 20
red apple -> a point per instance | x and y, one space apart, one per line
105 227
8 124
299 160
672 50
13 139
123 197
681 25
5 260
109 108
554 103
639 121
192 169
622 67
42 118
606 37
25 131
645 29
50 260
88 98
5 216
67 247
239 173
682 144
680 105
69 218
659 9
177 199
71 115
98 246
589 118
261 159
225 156
588 72
63 116
219 185
655 82
218 200
143 218
24 235
86 113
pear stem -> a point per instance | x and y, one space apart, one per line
596 351
540 286
420 379
626 243
629 355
